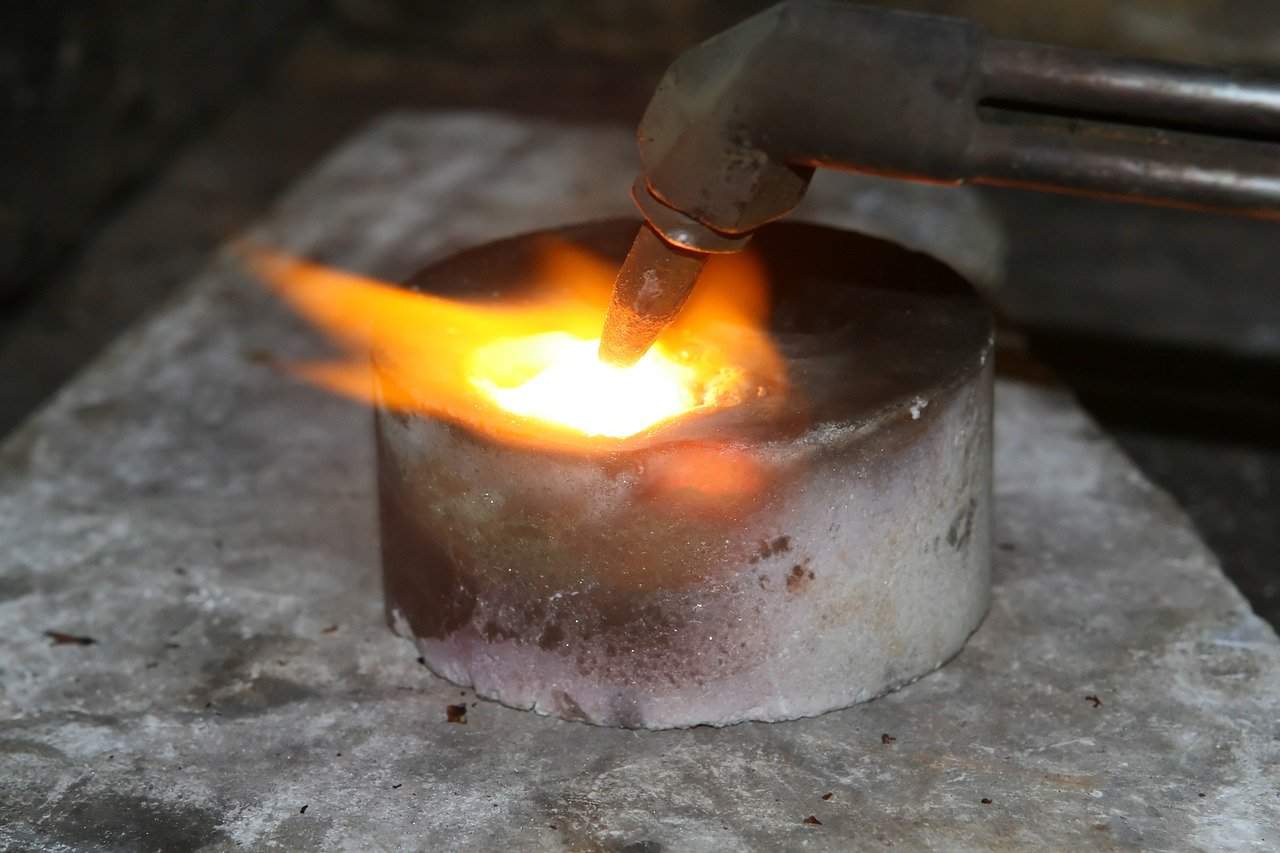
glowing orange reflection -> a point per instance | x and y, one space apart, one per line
569 385
525 369
712 476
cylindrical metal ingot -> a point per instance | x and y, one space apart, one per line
649 587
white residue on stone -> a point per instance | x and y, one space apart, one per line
918 405
400 624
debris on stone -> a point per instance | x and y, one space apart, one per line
61 638
887 739
456 714
986 801
813 820
303 810
330 630
1093 700
827 795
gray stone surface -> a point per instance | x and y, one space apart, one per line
210 525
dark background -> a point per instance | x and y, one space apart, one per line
139 134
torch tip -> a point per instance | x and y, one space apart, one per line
617 348
652 286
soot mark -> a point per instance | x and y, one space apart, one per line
646 846
91 818
961 529
799 577
551 637
495 633
568 708
435 594
15 584
771 547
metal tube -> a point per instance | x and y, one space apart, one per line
1179 169
1052 78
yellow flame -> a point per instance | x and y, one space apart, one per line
574 388
524 369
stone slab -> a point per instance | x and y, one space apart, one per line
210 526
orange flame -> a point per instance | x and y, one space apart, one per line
524 370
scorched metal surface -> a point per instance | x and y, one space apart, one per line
847 553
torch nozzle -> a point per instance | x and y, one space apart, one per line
651 288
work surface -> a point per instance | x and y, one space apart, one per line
210 526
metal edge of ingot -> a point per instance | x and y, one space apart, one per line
586 588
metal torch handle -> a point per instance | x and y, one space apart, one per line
1086 83
1053 117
